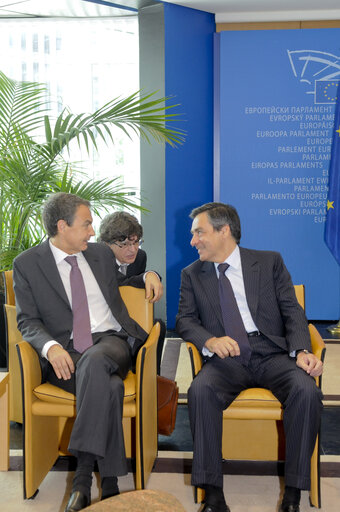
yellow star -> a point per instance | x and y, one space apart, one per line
330 205
338 131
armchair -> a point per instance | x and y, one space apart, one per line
49 412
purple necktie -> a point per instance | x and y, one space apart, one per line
82 338
232 320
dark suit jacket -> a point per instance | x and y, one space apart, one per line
270 296
43 310
138 266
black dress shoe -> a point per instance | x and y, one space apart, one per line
215 508
290 508
77 501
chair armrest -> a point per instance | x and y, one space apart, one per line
28 357
318 347
9 290
146 357
13 337
30 367
146 407
195 358
139 308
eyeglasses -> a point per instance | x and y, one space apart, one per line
125 245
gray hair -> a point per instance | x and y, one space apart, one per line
61 206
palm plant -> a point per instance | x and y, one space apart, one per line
31 169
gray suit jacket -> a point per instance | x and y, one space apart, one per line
270 296
43 310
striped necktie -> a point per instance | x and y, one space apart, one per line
232 320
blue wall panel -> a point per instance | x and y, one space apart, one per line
276 118
189 168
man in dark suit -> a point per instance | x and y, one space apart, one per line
122 232
67 293
271 349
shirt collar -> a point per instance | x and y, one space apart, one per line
60 255
234 259
121 264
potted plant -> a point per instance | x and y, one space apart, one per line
31 168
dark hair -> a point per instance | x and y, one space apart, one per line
61 206
118 226
219 215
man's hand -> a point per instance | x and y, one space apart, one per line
223 347
153 287
310 363
61 361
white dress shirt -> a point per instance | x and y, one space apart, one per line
101 317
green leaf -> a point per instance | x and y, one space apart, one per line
31 170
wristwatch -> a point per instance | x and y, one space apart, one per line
302 350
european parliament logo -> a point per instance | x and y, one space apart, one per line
318 71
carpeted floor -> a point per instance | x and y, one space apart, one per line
243 494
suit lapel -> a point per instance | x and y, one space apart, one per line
251 278
97 269
49 268
110 290
207 276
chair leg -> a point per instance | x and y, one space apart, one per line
199 495
315 490
40 451
146 414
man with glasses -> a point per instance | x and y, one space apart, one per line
122 232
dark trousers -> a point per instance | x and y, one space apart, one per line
218 384
99 388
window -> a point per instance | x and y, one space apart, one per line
84 62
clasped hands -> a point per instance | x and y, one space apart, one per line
309 363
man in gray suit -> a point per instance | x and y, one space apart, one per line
49 301
275 337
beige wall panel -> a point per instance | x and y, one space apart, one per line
279 25
321 24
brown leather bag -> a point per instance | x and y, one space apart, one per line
167 396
